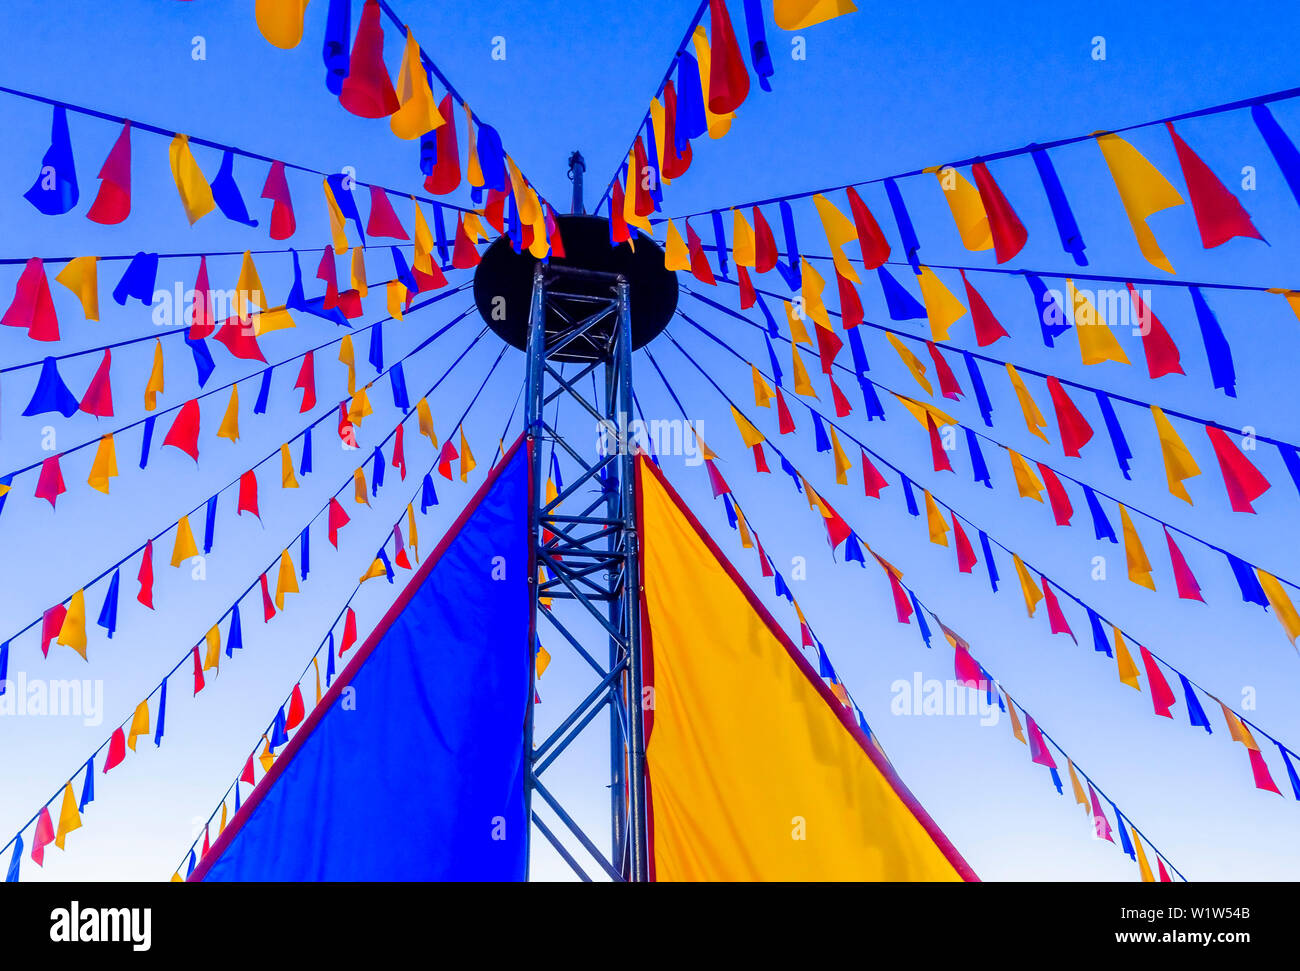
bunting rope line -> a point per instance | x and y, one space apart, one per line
233 609
827 671
973 431
1263 99
209 143
327 414
153 416
681 49
944 345
326 641
1287 752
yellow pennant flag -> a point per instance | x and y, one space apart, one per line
418 113
657 122
359 487
842 463
1283 608
934 518
676 254
425 419
1139 567
1034 419
798 14
467 462
248 290
267 758
1144 868
541 244
212 657
347 357
763 393
316 667
139 724
338 225
1142 190
221 827
287 479
941 307
72 633
375 570
801 383
81 276
184 548
280 21
287 581
1016 730
412 535
473 167
422 258
911 361
396 299
230 422
967 209
1292 296
277 318
1179 464
630 215
105 465
743 248
1097 342
1028 483
839 232
543 660
811 286
923 412
1128 671
746 541
748 433
1080 796
359 408
154 387
196 194
359 272
525 199
69 818
1237 728
798 332
718 125
1027 585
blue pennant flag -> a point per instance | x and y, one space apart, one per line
87 786
981 392
279 733
1290 770
55 190
691 119
51 394
235 640
329 663
909 496
161 727
263 393
823 441
1100 642
108 612
1066 226
139 280
304 552
790 270
759 54
1284 152
1222 371
376 355
491 158
772 329
428 497
860 364
304 464
978 468
338 59
1100 524
1123 454
225 193
1195 713
871 400
911 245
147 440
203 363
397 381
988 560
898 299
1051 318
16 860
1251 591
377 472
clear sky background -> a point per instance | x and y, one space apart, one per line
883 91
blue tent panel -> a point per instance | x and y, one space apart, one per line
411 768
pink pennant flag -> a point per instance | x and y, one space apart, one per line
32 306
98 399
1038 750
1188 588
1056 619
1101 825
49 484
1162 698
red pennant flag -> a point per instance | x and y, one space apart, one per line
1219 214
98 399
383 220
268 605
400 557
464 255
967 668
43 835
1164 874
368 90
433 280
618 231
872 480
747 295
496 208
875 248
828 345
987 328
1161 352
202 319
700 268
184 433
247 774
760 459
446 457
902 604
842 407
238 338
446 170
1062 508
145 576
337 520
675 164
399 452
837 530
1009 234
1188 588
116 750
643 203
765 565
1244 482
307 382
1038 751
728 76
938 454
248 494
785 424
206 846
51 624
198 670
1056 620
764 244
552 231
1259 768
49 484
32 306
966 560
296 711
948 386
113 203
1161 696
716 480
349 632
327 271
850 303
347 431
276 188
1075 430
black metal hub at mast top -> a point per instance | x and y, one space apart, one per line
503 286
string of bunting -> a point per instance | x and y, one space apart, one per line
124 737
969 674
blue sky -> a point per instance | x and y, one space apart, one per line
884 91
